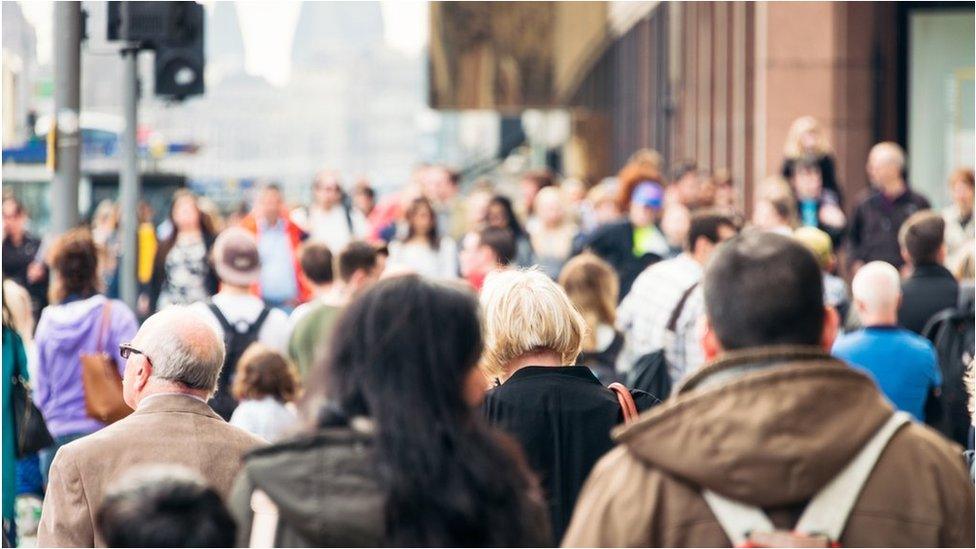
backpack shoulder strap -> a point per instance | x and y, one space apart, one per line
827 512
738 520
224 323
626 401
255 327
676 313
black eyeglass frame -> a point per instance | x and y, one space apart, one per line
126 350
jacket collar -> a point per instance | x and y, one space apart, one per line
931 270
175 402
528 372
733 364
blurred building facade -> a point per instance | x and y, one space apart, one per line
721 82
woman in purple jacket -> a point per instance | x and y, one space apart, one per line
69 328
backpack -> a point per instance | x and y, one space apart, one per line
824 518
651 372
953 333
237 338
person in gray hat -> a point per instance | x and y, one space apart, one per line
238 315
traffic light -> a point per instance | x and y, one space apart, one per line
175 31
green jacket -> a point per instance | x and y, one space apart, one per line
13 357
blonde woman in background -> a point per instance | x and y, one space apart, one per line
592 286
808 138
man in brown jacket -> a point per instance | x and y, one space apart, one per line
768 422
172 368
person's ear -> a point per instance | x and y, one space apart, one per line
940 257
905 257
709 341
831 327
143 373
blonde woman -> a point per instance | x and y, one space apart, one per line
808 138
560 413
592 286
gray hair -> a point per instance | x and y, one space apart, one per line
183 347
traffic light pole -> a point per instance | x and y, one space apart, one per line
67 127
129 185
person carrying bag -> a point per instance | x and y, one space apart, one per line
100 376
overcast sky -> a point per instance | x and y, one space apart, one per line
267 28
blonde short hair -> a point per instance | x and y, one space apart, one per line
525 312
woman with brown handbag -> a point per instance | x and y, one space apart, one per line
78 386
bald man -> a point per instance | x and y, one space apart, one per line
873 234
903 364
172 367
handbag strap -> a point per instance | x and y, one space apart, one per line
103 328
626 400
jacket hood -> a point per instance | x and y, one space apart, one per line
324 486
70 324
767 427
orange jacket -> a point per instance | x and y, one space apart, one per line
295 236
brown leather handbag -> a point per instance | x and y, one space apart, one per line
101 379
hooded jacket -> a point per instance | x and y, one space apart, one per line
770 427
64 333
327 492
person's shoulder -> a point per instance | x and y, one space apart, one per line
847 342
916 343
237 437
928 450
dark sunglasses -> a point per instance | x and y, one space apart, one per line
125 350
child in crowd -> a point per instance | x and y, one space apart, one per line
266 385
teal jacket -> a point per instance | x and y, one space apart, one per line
13 356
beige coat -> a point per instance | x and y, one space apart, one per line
166 429
770 428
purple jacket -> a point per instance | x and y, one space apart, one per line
63 334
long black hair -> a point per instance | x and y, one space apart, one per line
432 236
512 219
401 354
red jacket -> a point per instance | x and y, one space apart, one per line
295 236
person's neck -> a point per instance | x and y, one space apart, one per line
541 358
324 208
16 238
163 387
886 318
321 290
229 289
894 188
190 232
271 222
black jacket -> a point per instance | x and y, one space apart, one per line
930 289
562 416
614 243
873 229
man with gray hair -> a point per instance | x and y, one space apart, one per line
903 364
172 367
873 234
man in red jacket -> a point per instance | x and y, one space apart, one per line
278 241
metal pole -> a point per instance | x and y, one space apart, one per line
129 190
67 103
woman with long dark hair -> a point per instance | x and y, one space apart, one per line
397 455
423 250
183 273
501 214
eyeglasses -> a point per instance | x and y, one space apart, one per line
126 349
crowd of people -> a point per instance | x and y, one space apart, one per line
629 363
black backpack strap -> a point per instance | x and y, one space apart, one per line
252 330
676 313
220 317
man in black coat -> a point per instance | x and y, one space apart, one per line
931 287
873 230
